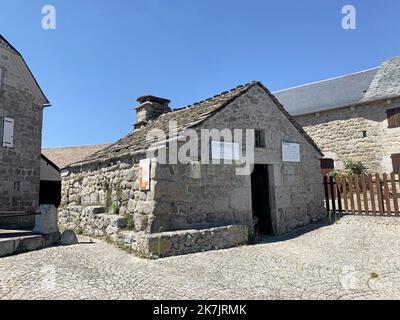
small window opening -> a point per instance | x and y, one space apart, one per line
17 185
259 138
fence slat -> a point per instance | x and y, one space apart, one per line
379 192
357 189
339 195
345 196
328 209
365 196
351 193
333 195
372 194
387 195
394 192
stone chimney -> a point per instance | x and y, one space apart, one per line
150 108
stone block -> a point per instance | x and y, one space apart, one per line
118 221
47 221
68 237
140 221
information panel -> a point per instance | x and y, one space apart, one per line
290 152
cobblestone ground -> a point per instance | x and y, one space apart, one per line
358 258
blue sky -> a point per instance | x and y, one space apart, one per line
105 54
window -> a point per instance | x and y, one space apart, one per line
17 185
327 164
259 138
365 134
396 162
393 116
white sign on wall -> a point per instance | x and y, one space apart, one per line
195 169
225 150
144 174
290 152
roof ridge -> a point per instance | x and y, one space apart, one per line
329 79
240 88
194 104
79 146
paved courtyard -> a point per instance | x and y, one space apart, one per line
358 258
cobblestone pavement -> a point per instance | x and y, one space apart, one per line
358 258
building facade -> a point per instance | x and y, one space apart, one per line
355 117
196 206
21 109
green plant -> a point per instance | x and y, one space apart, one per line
130 224
115 208
374 275
78 231
251 235
335 173
355 167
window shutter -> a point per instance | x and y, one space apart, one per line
393 116
396 162
8 132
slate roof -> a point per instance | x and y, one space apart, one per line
366 86
188 117
64 156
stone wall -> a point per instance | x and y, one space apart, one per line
169 244
339 133
219 197
296 196
20 165
112 186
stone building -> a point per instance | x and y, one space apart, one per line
52 160
179 208
353 117
21 107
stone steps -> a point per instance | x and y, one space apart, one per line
174 243
16 220
19 241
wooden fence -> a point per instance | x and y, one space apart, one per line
363 194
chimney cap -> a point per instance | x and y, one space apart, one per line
149 98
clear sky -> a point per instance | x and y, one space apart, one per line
104 54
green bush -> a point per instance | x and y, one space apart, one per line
355 167
130 224
115 208
335 173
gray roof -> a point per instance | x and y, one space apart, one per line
370 85
188 117
64 156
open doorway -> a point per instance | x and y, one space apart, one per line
260 199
